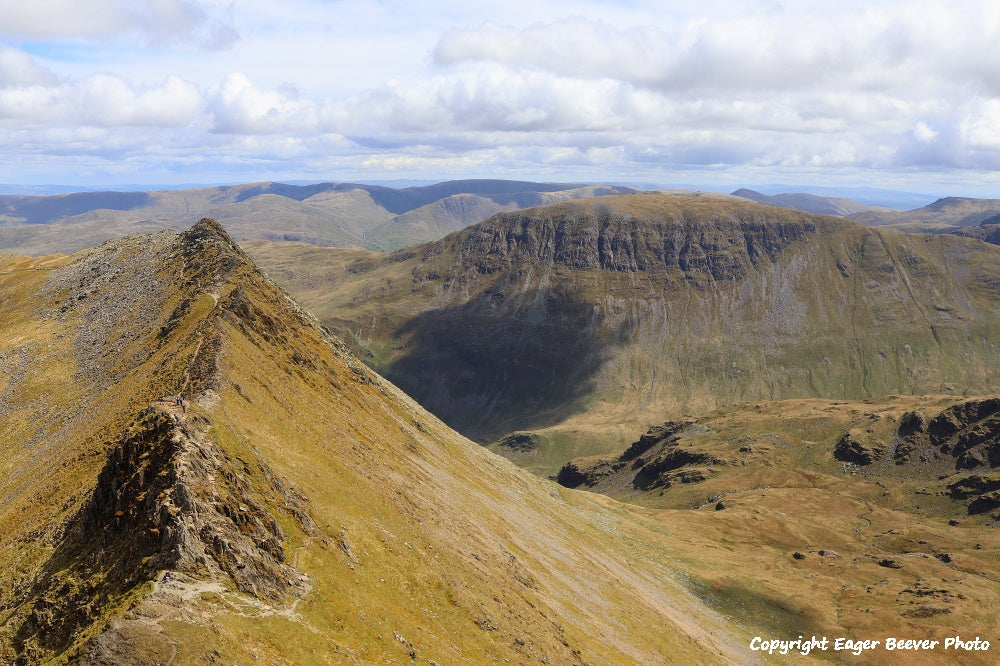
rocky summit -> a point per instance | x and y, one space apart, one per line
584 321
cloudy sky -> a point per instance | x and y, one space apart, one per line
717 93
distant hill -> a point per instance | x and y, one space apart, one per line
457 211
942 215
583 320
810 203
874 196
329 214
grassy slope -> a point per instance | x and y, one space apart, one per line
422 541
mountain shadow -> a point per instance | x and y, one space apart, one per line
485 374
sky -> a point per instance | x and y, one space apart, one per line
718 93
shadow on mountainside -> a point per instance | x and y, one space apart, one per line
486 367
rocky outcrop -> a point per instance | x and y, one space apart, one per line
575 474
964 436
665 470
858 447
656 434
658 459
517 444
988 231
969 431
911 434
982 489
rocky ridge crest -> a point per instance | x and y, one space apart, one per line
167 497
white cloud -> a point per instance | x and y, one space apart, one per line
924 133
239 107
159 21
28 105
980 129
110 101
636 88
101 101
891 46
19 69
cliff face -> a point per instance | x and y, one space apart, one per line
987 231
167 498
696 250
628 309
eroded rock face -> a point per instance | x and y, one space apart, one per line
167 498
912 434
703 251
982 489
656 434
573 475
969 432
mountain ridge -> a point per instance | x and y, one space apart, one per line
943 215
614 305
294 493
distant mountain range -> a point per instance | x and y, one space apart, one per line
872 196
329 214
944 215
375 216
972 218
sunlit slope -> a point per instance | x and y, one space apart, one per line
881 514
627 309
307 510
